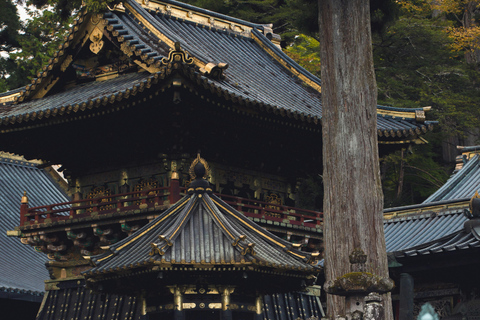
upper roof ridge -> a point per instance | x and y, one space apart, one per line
11 158
202 16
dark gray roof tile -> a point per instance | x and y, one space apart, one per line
258 70
22 268
462 184
201 230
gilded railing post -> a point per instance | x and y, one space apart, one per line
23 208
174 188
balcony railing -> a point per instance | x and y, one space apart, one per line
96 206
274 212
264 211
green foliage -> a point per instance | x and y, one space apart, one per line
37 43
9 25
63 9
416 67
423 174
310 193
305 51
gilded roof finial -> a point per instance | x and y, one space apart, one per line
474 207
24 198
199 168
199 171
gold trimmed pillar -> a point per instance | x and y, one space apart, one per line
143 304
178 312
259 307
226 313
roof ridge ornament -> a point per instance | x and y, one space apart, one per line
177 55
214 70
199 171
196 171
473 210
472 225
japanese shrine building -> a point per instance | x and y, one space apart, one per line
131 97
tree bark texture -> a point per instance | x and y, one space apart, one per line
353 202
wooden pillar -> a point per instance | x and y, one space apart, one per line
178 312
406 297
226 313
23 208
174 188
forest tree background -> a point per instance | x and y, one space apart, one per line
426 53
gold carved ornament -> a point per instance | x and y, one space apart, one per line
97 42
276 201
99 192
144 185
249 249
177 55
155 250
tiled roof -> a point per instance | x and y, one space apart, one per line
293 305
462 184
461 240
426 226
77 302
258 73
81 97
438 224
407 232
201 230
22 270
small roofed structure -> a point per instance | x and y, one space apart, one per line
202 255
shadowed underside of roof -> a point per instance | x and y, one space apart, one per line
22 269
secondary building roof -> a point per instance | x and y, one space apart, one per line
406 232
22 271
461 185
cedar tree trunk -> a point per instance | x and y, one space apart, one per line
353 202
